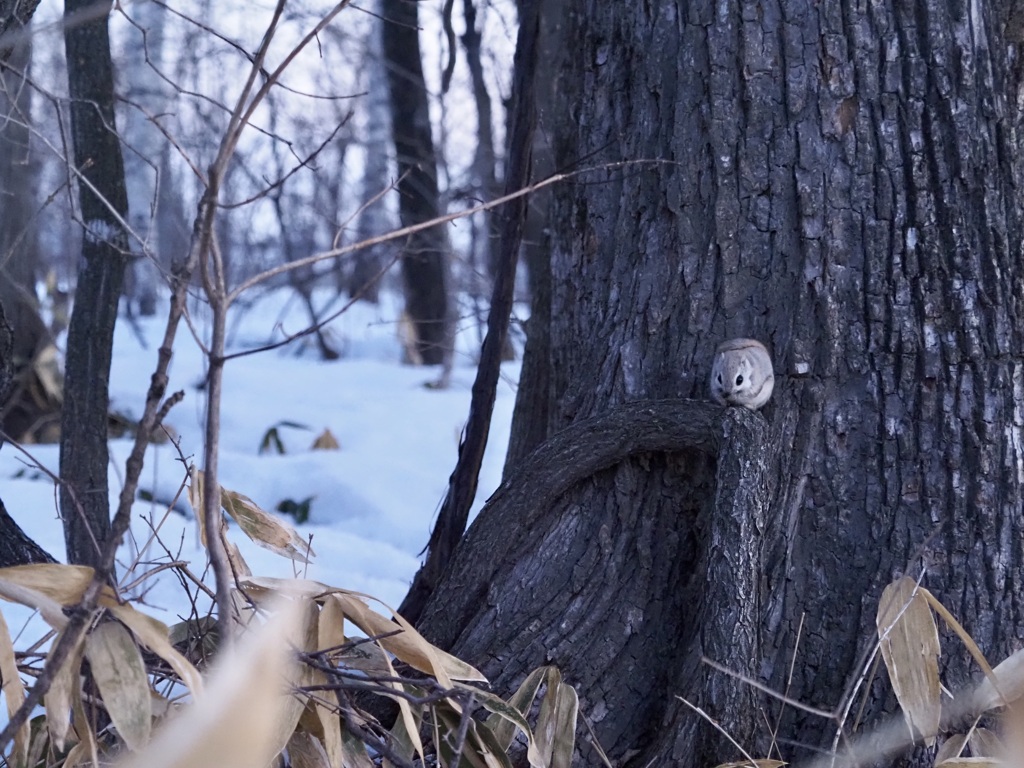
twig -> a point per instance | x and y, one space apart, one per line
720 729
412 229
765 689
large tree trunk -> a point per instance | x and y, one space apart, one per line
84 498
840 181
425 260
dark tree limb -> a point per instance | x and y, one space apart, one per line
424 262
451 521
15 16
16 548
104 204
528 494
6 358
719 585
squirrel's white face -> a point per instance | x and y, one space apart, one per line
742 374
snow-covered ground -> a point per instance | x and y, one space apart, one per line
373 500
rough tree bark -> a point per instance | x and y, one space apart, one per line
841 181
534 398
84 498
425 257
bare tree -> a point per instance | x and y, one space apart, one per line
28 406
375 219
85 503
425 258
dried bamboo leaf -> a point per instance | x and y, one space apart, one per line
58 700
154 635
265 529
83 726
326 442
48 587
967 640
1005 685
507 716
354 752
306 751
294 676
411 718
556 724
478 749
233 725
14 694
909 643
408 645
986 743
330 634
195 498
951 748
120 674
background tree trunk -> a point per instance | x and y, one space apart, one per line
840 181
361 273
84 498
425 260
28 406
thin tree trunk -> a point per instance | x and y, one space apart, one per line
362 277
84 499
451 520
425 260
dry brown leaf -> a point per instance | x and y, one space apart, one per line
951 748
48 587
234 724
909 642
326 442
986 743
154 635
265 529
58 700
965 638
120 674
14 694
305 751
195 499
408 645
260 526
83 727
556 724
330 634
1010 676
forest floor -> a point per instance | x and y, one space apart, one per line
372 501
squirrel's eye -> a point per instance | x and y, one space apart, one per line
739 380
719 378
